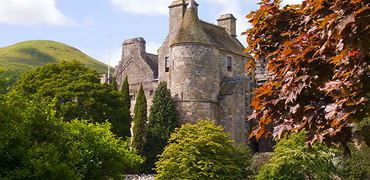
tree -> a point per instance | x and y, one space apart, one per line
126 93
318 54
356 166
76 92
37 145
3 82
200 151
291 159
114 84
126 100
140 120
162 122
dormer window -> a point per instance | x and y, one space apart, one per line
167 62
229 62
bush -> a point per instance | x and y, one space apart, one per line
259 160
292 159
201 151
34 144
357 165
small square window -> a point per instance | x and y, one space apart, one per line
167 61
229 63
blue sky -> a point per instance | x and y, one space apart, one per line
88 24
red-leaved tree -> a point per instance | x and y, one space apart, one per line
318 56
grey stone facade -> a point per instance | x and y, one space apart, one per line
203 65
139 67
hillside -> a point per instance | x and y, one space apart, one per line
28 55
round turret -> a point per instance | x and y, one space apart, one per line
195 74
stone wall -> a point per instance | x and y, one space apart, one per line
134 65
193 111
233 111
200 81
195 82
149 90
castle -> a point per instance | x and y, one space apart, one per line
203 65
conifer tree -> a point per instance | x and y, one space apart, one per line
162 122
126 93
126 105
114 83
140 118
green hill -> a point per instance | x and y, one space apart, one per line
28 55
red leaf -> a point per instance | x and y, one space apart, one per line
331 85
294 109
344 22
330 110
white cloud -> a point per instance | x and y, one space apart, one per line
32 12
146 7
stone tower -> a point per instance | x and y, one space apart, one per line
194 84
203 65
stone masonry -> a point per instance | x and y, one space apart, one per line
203 65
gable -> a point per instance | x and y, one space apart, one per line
222 39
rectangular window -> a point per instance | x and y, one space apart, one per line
151 92
229 62
167 64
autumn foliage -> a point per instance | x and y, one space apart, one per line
318 54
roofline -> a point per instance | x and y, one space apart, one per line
212 46
182 2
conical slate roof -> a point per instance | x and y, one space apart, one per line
191 30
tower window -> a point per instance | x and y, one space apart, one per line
167 64
229 63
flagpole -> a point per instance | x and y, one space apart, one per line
109 59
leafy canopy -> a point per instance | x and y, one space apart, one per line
37 145
292 160
76 92
201 151
318 54
3 82
356 166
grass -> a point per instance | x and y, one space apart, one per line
28 55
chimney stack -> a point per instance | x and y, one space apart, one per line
177 12
228 21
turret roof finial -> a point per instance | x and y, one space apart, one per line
191 4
